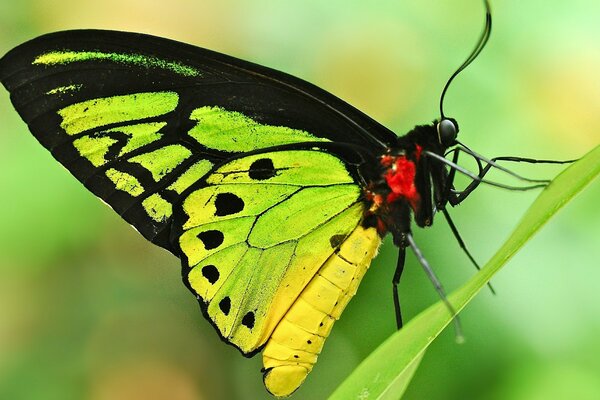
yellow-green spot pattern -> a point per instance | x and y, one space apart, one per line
235 231
293 167
139 135
94 148
125 182
67 57
232 254
157 208
90 114
193 174
300 214
269 196
64 89
162 161
263 246
232 131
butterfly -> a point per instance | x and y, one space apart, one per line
274 193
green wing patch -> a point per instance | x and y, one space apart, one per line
216 129
68 57
94 113
135 157
142 170
125 182
231 131
256 232
139 119
125 139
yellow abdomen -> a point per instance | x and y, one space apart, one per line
292 349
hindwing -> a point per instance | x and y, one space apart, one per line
256 230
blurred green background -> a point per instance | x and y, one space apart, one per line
89 310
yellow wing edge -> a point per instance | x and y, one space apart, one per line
291 351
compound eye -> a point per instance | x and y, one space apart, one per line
447 131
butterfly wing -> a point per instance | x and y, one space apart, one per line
252 177
257 229
136 118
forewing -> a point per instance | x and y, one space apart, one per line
257 229
138 118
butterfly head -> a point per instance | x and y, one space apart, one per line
447 131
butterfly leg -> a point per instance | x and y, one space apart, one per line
437 285
492 163
443 193
447 191
462 244
395 282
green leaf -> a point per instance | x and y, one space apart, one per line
386 373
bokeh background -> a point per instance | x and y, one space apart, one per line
89 310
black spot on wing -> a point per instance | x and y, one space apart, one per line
262 169
225 305
211 239
211 273
336 240
248 320
227 204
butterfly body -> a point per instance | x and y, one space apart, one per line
407 183
274 193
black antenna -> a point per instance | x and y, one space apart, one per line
485 35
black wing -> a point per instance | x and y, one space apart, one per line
116 109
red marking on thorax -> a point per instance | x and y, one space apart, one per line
401 180
387 160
